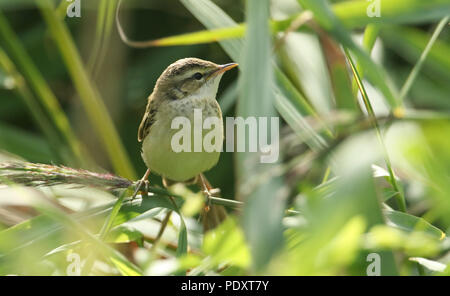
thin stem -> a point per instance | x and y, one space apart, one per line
326 175
399 197
93 58
115 210
105 22
162 228
303 18
105 230
225 202
369 39
123 36
415 71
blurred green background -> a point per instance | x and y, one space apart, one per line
364 138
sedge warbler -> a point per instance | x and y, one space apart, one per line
188 84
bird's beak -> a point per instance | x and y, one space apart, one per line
222 68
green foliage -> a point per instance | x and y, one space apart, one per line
363 168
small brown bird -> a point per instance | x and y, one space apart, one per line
188 84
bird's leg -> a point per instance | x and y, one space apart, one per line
207 189
142 183
211 216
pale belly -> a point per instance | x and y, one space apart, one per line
157 150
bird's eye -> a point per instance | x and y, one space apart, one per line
198 76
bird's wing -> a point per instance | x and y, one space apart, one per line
148 119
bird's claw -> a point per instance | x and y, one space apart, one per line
145 185
142 186
209 194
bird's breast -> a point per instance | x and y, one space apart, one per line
186 107
158 147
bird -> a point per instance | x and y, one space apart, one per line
186 85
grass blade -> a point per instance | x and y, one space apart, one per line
354 13
264 206
399 197
339 76
430 264
105 22
90 98
370 36
410 43
112 216
412 223
41 88
330 22
415 71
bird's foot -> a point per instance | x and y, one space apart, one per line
209 193
142 186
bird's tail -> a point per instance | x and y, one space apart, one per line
212 216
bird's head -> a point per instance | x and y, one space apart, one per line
191 77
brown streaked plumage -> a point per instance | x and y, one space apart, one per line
169 86
183 88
